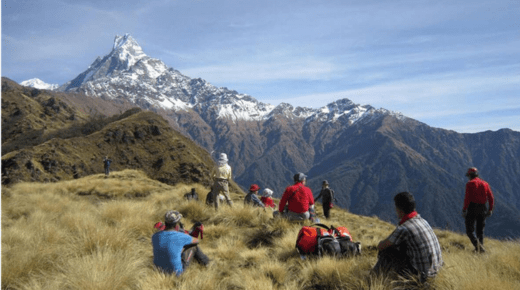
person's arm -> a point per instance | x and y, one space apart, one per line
466 196
490 199
384 244
399 235
257 201
319 195
311 197
283 201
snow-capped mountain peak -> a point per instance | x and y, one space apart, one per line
127 49
39 84
127 72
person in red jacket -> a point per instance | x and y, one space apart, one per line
474 210
267 199
299 199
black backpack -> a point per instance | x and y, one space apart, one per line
333 243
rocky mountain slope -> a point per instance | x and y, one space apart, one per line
134 139
367 154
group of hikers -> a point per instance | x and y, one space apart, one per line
412 249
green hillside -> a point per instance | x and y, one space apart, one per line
95 233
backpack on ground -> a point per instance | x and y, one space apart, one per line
348 246
319 240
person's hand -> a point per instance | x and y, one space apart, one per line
489 213
464 213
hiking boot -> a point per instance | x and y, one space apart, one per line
480 249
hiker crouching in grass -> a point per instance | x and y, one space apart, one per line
474 209
299 200
412 249
192 195
222 176
267 199
174 250
251 197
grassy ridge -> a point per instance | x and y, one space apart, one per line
94 233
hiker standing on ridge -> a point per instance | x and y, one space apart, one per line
327 196
474 209
173 250
299 199
412 248
106 165
251 197
221 180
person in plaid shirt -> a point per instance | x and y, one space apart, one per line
413 247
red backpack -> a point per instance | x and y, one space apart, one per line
308 238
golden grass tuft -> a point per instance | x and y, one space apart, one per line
56 237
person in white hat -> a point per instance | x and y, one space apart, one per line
222 177
267 198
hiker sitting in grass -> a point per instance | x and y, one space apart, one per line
298 198
251 197
174 250
412 249
192 195
267 198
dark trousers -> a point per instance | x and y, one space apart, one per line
476 215
196 253
326 209
107 170
395 259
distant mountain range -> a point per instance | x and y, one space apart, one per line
367 154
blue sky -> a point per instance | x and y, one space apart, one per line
449 64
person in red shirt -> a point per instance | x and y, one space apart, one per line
267 198
474 210
299 199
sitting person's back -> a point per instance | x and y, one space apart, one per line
298 198
169 244
266 198
167 250
251 197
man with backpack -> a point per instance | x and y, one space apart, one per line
474 210
106 165
327 196
299 199
412 248
173 249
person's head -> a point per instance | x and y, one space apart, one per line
223 157
267 192
254 188
472 172
192 190
325 184
404 202
300 177
172 218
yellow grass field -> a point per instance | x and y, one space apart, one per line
95 233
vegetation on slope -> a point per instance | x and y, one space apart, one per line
95 233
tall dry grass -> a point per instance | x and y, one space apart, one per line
95 233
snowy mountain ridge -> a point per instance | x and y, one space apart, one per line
39 84
127 72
